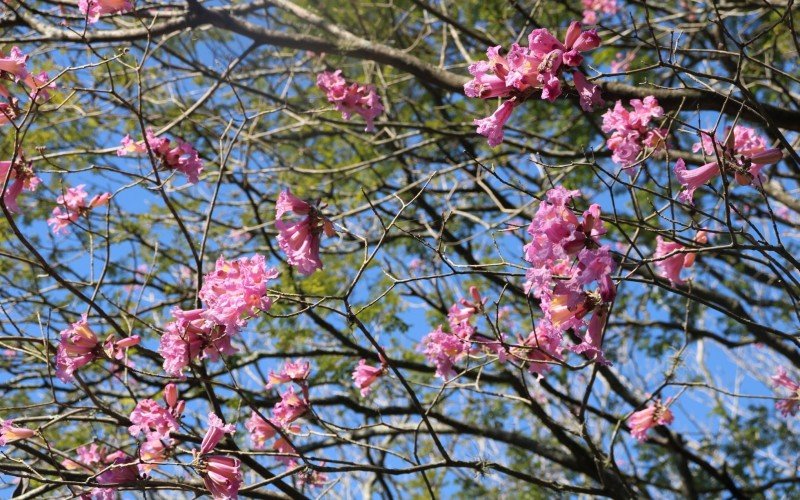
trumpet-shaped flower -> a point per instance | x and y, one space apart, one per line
182 157
222 476
300 239
152 419
791 405
78 347
643 420
353 98
10 433
365 375
93 9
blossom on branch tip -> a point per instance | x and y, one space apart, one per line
297 371
74 203
77 348
221 475
260 430
216 431
589 94
93 9
20 176
354 98
643 420
365 375
300 239
631 132
791 405
289 408
191 336
182 157
152 419
591 9
10 433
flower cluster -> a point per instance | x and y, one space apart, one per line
181 157
524 69
353 98
791 405
445 349
13 67
20 176
591 9
570 273
632 132
300 239
221 475
291 407
79 346
743 153
670 259
233 293
655 414
74 205
93 9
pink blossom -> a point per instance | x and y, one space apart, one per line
361 99
14 64
297 371
216 431
365 375
87 456
492 126
300 240
236 290
671 266
289 408
588 93
540 350
122 470
260 430
631 130
93 9
591 9
655 414
153 452
78 347
221 476
10 433
23 177
152 419
622 62
791 405
538 66
189 337
444 350
693 179
286 452
182 157
75 205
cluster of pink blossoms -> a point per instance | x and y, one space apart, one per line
540 65
157 422
74 206
300 239
20 176
93 9
13 67
353 98
119 468
291 407
671 265
791 405
743 153
643 420
221 474
233 293
591 9
181 157
445 349
632 132
571 274
79 346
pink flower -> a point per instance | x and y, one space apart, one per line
622 62
75 205
221 476
743 152
632 132
122 470
21 173
300 240
541 350
189 337
297 371
361 99
182 157
236 290
153 452
492 126
14 64
152 419
286 451
444 350
78 347
289 408
10 433
87 456
365 375
671 266
93 9
260 430
693 179
216 431
594 7
588 93
655 414
791 405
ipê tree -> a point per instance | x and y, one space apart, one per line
420 248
